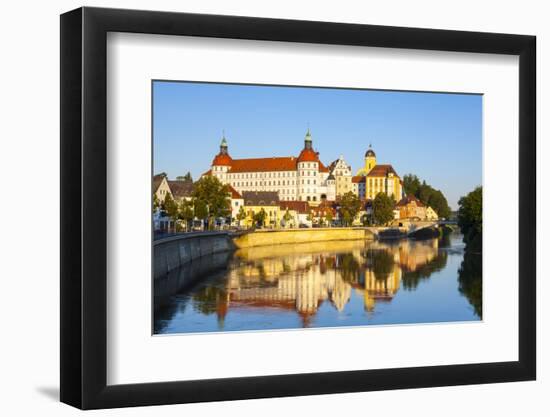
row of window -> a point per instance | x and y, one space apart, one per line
261 183
307 165
264 175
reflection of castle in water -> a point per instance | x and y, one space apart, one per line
302 277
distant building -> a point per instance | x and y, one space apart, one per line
378 178
256 201
298 210
161 187
236 201
431 214
411 207
359 186
341 171
302 178
181 190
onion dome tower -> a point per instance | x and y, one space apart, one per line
370 159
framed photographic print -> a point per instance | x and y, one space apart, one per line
245 201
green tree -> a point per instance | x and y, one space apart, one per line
382 209
426 194
411 184
200 209
241 215
259 217
470 219
329 218
186 212
171 208
156 202
349 207
438 202
287 217
211 193
186 177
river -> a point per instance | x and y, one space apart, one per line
325 284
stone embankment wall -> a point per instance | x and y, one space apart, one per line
280 237
173 252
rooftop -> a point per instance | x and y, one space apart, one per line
260 198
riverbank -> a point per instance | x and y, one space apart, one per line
295 236
173 252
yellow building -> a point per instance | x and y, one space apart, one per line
379 178
341 172
431 214
256 201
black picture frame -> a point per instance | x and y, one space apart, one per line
84 207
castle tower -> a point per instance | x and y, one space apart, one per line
370 159
222 162
308 171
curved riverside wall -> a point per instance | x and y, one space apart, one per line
281 237
174 252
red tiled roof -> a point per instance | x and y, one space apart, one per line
308 155
409 199
381 171
222 159
358 178
301 207
209 172
234 193
284 163
322 167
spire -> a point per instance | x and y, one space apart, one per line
223 144
307 140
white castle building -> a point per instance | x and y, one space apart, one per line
302 178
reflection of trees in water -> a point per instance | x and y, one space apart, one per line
164 314
470 280
381 261
411 279
349 267
211 300
445 240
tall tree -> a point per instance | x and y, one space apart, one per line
350 205
210 192
329 218
156 202
186 212
186 177
171 208
241 215
200 208
382 209
287 217
260 217
411 184
470 219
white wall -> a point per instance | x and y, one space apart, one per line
29 153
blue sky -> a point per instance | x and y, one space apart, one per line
435 136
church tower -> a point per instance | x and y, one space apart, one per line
370 159
370 162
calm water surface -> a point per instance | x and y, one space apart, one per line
326 284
